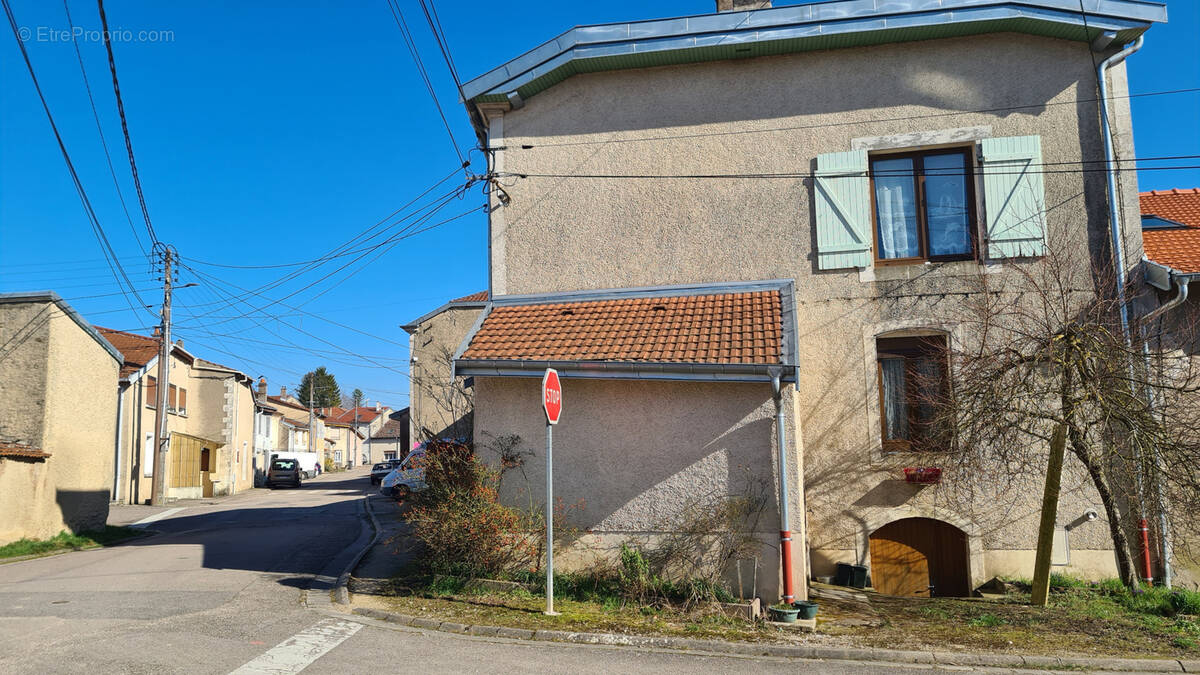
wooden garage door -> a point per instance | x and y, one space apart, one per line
919 557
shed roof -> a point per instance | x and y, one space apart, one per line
827 24
1177 248
733 331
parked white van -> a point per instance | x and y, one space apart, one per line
406 478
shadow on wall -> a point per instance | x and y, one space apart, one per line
83 510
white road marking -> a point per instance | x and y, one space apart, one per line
158 516
299 651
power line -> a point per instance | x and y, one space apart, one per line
112 66
97 229
824 125
100 130
398 16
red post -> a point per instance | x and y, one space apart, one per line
1147 573
785 550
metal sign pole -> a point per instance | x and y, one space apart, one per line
550 520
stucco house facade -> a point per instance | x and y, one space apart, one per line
210 418
440 405
733 233
391 440
58 417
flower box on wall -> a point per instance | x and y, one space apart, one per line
923 475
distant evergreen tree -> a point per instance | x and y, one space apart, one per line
357 397
324 386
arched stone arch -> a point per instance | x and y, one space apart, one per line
975 557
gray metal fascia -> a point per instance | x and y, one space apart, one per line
1158 275
412 326
799 21
642 292
51 296
791 331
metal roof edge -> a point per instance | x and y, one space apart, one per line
1159 275
666 291
51 296
789 22
622 370
411 326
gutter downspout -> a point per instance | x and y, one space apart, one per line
1166 546
785 531
1114 211
116 493
1118 246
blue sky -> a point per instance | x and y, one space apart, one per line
272 132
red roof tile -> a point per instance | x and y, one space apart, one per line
137 350
481 296
365 414
1176 248
10 449
720 328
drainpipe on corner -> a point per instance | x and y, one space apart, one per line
785 528
1166 546
116 493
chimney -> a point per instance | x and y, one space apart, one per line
741 5
179 343
377 406
157 331
283 392
262 387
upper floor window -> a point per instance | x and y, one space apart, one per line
923 205
920 205
913 385
177 400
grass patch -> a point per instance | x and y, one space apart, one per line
66 541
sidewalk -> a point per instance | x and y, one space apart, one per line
390 553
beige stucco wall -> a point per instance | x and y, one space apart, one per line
630 455
74 381
597 233
437 407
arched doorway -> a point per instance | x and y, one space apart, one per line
920 557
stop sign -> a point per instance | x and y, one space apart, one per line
551 395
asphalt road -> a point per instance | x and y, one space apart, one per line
219 590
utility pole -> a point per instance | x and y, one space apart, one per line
158 486
311 436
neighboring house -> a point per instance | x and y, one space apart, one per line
58 413
391 441
1171 232
343 440
440 405
267 431
713 223
295 432
367 420
210 419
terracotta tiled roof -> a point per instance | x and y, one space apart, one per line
481 296
10 449
286 403
1175 248
392 429
365 415
718 328
138 350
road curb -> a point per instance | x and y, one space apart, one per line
340 590
322 585
793 651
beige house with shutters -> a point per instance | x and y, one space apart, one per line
210 419
735 233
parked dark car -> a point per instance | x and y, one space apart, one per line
378 471
283 472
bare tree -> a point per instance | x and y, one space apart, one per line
447 406
1042 345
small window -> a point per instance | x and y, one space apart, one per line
913 385
151 392
924 206
182 402
172 395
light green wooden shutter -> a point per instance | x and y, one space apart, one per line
843 207
1014 197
